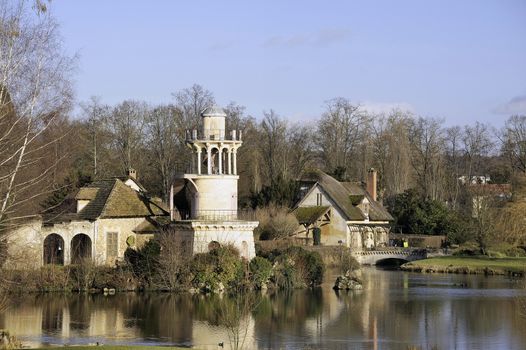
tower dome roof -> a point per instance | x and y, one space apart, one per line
213 111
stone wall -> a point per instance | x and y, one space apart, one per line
196 236
26 243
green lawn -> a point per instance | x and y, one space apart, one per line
476 264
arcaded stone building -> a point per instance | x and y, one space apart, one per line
100 222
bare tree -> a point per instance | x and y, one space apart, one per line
35 91
96 115
427 144
192 101
300 138
453 147
126 123
166 144
273 132
235 316
477 144
513 138
249 164
340 131
391 151
511 222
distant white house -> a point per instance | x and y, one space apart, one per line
346 213
475 179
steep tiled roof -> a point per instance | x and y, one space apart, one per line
86 193
377 211
112 198
94 208
338 193
345 194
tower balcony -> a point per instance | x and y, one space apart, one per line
214 215
213 135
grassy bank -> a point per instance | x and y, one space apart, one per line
469 265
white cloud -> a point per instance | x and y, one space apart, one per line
516 105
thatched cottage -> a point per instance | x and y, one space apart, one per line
345 212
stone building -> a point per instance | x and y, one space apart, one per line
346 213
99 222
204 200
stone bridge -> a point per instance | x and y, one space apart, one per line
372 257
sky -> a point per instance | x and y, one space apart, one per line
458 60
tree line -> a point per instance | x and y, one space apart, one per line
45 153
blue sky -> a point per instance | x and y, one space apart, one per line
458 60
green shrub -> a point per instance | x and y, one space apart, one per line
144 262
50 278
467 249
222 265
284 275
260 270
119 278
347 261
296 267
275 223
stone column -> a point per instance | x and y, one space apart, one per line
229 161
220 159
199 161
235 162
209 160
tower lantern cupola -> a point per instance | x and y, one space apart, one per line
213 123
214 152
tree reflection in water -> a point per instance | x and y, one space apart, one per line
409 309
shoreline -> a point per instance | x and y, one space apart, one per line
469 265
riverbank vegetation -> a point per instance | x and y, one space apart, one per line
114 347
469 265
158 267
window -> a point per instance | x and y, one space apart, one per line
112 244
319 199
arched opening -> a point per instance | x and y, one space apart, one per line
244 249
80 248
390 263
54 250
213 246
214 159
227 166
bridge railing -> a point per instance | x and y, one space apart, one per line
393 251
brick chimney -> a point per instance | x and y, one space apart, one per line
131 173
371 183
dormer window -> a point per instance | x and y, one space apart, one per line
365 207
84 196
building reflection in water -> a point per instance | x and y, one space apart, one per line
395 310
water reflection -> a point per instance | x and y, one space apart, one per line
394 311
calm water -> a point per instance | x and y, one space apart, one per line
396 310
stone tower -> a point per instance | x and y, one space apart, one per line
209 215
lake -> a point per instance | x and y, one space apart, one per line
394 311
